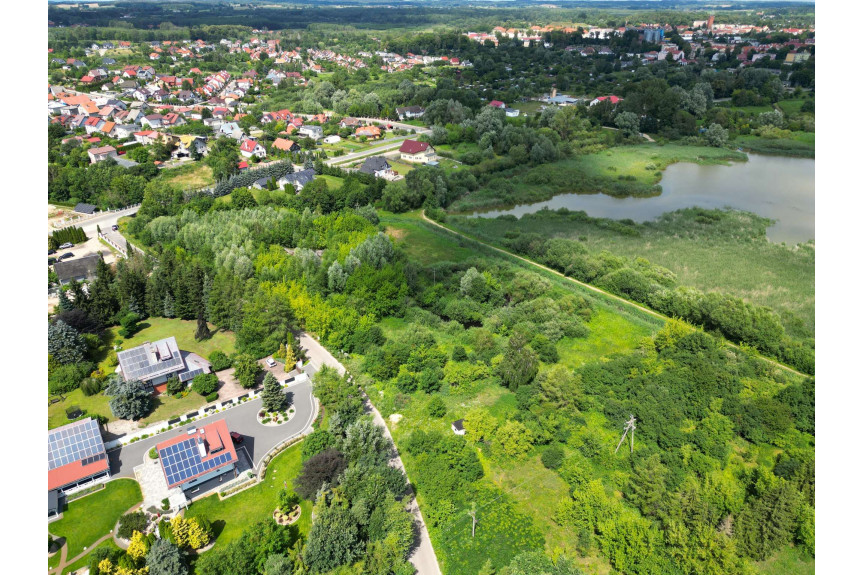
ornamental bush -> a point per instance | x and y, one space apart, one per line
132 522
219 361
205 383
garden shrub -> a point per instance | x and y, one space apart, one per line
205 383
132 522
175 386
552 457
219 361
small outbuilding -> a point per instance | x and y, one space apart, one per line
458 426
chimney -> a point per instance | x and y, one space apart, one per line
202 447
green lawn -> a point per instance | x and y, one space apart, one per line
156 328
527 108
93 405
235 514
610 333
87 519
82 562
423 243
191 176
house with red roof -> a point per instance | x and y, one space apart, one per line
612 99
417 152
200 455
497 104
76 459
286 145
100 154
250 147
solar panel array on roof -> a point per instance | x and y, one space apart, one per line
189 375
182 461
137 363
75 442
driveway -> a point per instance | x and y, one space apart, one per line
423 557
258 440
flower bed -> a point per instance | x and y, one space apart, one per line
287 519
272 418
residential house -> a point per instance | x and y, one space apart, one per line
76 457
297 179
497 104
100 154
286 145
188 143
334 139
232 130
511 112
410 112
192 459
378 167
372 132
93 124
153 364
314 132
417 152
612 99
77 269
152 120
250 147
146 137
123 131
349 123
458 427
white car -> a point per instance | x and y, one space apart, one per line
67 245
271 362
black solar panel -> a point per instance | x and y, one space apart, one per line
182 461
74 442
190 375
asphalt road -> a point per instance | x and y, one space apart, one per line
258 439
104 220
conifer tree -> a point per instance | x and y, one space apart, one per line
272 396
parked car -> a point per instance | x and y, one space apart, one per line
52 252
271 362
66 256
67 245
51 261
115 227
236 437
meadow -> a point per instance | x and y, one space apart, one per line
728 252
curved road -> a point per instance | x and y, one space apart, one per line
594 288
259 439
423 557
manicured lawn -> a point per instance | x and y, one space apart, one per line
156 328
93 405
527 108
190 176
235 514
82 562
87 519
401 167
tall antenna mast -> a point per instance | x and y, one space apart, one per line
629 426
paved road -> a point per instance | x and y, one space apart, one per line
259 439
103 220
387 146
423 558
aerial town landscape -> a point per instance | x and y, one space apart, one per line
396 288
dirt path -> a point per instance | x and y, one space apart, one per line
423 558
593 288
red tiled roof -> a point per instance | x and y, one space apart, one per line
71 472
413 147
216 435
497 104
248 145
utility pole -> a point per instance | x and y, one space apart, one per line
472 514
628 426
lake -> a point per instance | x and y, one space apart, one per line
775 187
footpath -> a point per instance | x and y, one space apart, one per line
423 558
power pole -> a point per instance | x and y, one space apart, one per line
472 514
628 426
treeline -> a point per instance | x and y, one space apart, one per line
640 281
73 235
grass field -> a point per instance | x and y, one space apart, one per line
731 255
421 241
156 328
800 145
190 176
235 514
527 108
789 561
82 562
87 519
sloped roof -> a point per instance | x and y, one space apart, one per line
413 147
374 164
85 266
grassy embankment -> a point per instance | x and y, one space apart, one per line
239 512
165 406
620 171
93 516
731 254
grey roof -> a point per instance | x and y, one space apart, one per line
84 208
83 267
78 441
458 424
374 164
302 177
151 360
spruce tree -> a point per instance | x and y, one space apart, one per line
203 331
272 396
64 304
168 306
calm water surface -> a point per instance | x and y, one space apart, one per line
782 189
